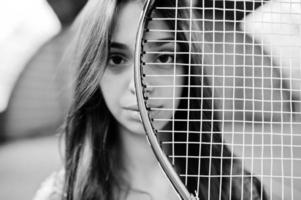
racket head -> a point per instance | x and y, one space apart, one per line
271 123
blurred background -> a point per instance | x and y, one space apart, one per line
35 90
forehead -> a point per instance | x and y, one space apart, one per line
158 29
126 25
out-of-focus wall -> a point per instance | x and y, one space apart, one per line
30 148
40 98
36 110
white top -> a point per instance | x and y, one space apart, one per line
52 187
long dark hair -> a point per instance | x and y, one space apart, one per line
89 169
203 120
217 163
92 163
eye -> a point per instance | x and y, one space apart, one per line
165 58
116 59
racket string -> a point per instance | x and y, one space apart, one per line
256 100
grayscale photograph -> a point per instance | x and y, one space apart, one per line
150 100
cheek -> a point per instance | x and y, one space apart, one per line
179 81
175 91
164 94
111 87
178 91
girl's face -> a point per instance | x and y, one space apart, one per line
117 84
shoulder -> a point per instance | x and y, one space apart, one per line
246 185
52 187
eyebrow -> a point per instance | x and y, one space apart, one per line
160 42
118 45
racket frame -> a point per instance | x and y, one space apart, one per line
146 120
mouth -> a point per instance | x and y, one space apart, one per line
133 113
132 108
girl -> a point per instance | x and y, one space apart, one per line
107 154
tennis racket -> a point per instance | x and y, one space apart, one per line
218 84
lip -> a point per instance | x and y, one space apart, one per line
132 107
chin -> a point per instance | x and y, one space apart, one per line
133 127
137 129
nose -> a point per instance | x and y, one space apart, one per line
131 86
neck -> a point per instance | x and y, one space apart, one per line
136 152
141 166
